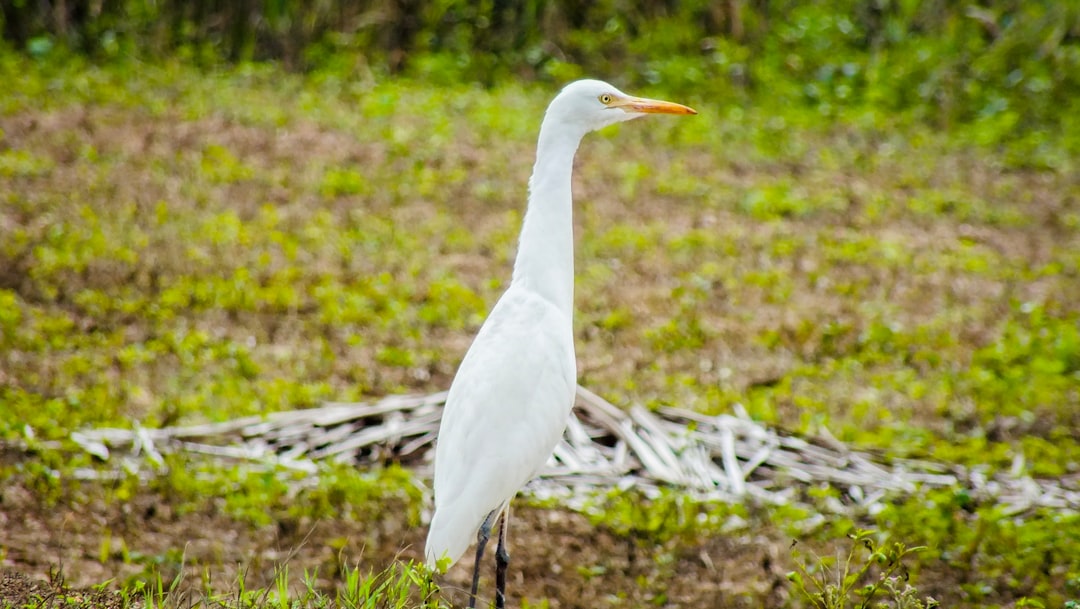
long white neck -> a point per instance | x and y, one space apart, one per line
545 258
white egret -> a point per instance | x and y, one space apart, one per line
509 403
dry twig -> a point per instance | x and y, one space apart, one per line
729 458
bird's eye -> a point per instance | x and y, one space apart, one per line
605 99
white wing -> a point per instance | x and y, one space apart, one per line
506 410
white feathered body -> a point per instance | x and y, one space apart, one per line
506 410
511 398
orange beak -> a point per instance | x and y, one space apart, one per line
650 106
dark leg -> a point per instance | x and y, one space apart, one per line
481 541
502 559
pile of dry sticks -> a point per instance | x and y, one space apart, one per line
727 457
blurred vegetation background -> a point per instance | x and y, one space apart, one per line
1010 67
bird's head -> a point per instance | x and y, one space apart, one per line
594 104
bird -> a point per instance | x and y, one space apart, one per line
510 399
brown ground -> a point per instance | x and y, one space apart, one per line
556 555
20 590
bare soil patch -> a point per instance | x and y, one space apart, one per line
556 555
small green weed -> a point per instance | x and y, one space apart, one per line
868 571
402 585
655 521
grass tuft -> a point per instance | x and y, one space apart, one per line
868 571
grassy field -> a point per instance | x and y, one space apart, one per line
182 246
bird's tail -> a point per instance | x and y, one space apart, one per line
448 538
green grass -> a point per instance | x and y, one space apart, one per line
183 246
404 585
869 570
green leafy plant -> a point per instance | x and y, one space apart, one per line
867 572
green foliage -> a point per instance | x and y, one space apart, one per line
401 585
262 496
221 166
1034 361
1007 70
868 571
658 527
989 549
657 520
20 163
344 181
773 201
